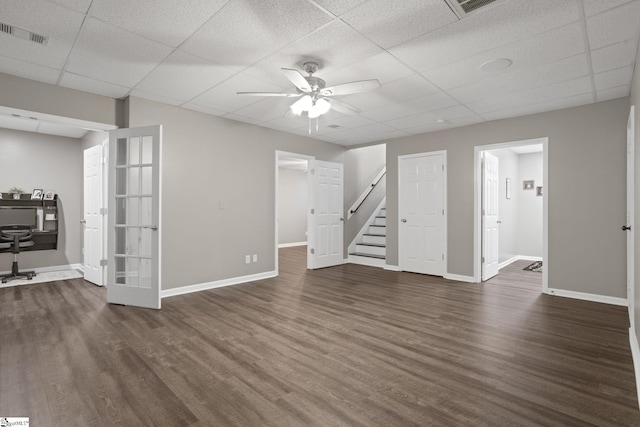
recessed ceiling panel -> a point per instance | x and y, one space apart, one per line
389 23
243 32
86 84
167 21
401 90
615 26
58 23
613 78
614 56
109 54
266 109
183 76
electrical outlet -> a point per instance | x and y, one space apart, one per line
255 257
247 259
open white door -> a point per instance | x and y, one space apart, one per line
490 232
133 272
630 213
93 215
327 222
422 214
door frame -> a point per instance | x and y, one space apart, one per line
631 221
309 159
477 202
445 233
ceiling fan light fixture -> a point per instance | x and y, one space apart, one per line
302 104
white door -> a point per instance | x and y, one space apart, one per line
133 271
327 222
93 215
630 213
490 232
422 215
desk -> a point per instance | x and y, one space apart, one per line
45 235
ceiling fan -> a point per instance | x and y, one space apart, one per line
314 92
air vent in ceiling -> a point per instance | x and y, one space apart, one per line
462 8
23 34
333 126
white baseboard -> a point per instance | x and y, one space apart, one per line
51 268
635 353
518 258
290 245
216 284
588 297
391 267
460 278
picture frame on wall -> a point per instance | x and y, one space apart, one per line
37 194
49 195
508 188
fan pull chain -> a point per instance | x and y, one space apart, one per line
309 127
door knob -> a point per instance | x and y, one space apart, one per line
403 220
626 227
83 221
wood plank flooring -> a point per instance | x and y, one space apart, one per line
343 346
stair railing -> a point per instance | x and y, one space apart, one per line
360 200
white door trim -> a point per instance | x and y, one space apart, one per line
477 238
631 220
309 159
445 233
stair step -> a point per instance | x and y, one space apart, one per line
371 249
377 245
367 255
380 239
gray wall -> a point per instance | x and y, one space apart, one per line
361 165
508 208
586 204
635 100
206 239
31 160
529 206
293 199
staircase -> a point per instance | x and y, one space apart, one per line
371 246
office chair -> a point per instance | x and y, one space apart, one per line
16 237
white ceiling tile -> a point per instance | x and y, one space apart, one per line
169 22
78 5
613 78
58 23
183 76
390 112
266 109
115 56
239 118
593 7
614 26
434 101
389 23
614 56
18 124
338 7
28 70
245 31
525 54
344 122
556 104
382 67
514 100
201 109
555 72
61 130
413 121
613 93
507 22
155 97
86 84
401 90
288 122
223 97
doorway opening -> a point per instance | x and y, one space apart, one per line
511 207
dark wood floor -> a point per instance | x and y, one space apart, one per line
349 345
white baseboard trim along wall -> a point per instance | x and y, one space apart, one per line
216 284
588 297
52 268
392 267
460 278
290 245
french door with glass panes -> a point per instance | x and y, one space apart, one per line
133 268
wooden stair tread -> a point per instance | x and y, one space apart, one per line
367 255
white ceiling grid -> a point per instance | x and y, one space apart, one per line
198 53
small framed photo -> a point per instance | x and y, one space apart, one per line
508 189
528 185
49 195
538 191
37 194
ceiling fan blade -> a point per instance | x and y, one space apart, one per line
288 95
343 108
352 87
297 79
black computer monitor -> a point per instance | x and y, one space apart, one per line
19 216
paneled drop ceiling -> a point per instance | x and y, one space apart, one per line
427 55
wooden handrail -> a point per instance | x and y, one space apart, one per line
360 200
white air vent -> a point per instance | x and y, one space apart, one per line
23 34
464 7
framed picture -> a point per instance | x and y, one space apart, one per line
538 191
528 185
37 194
508 188
49 195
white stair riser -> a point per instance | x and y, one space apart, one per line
380 240
373 262
372 250
380 221
377 230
